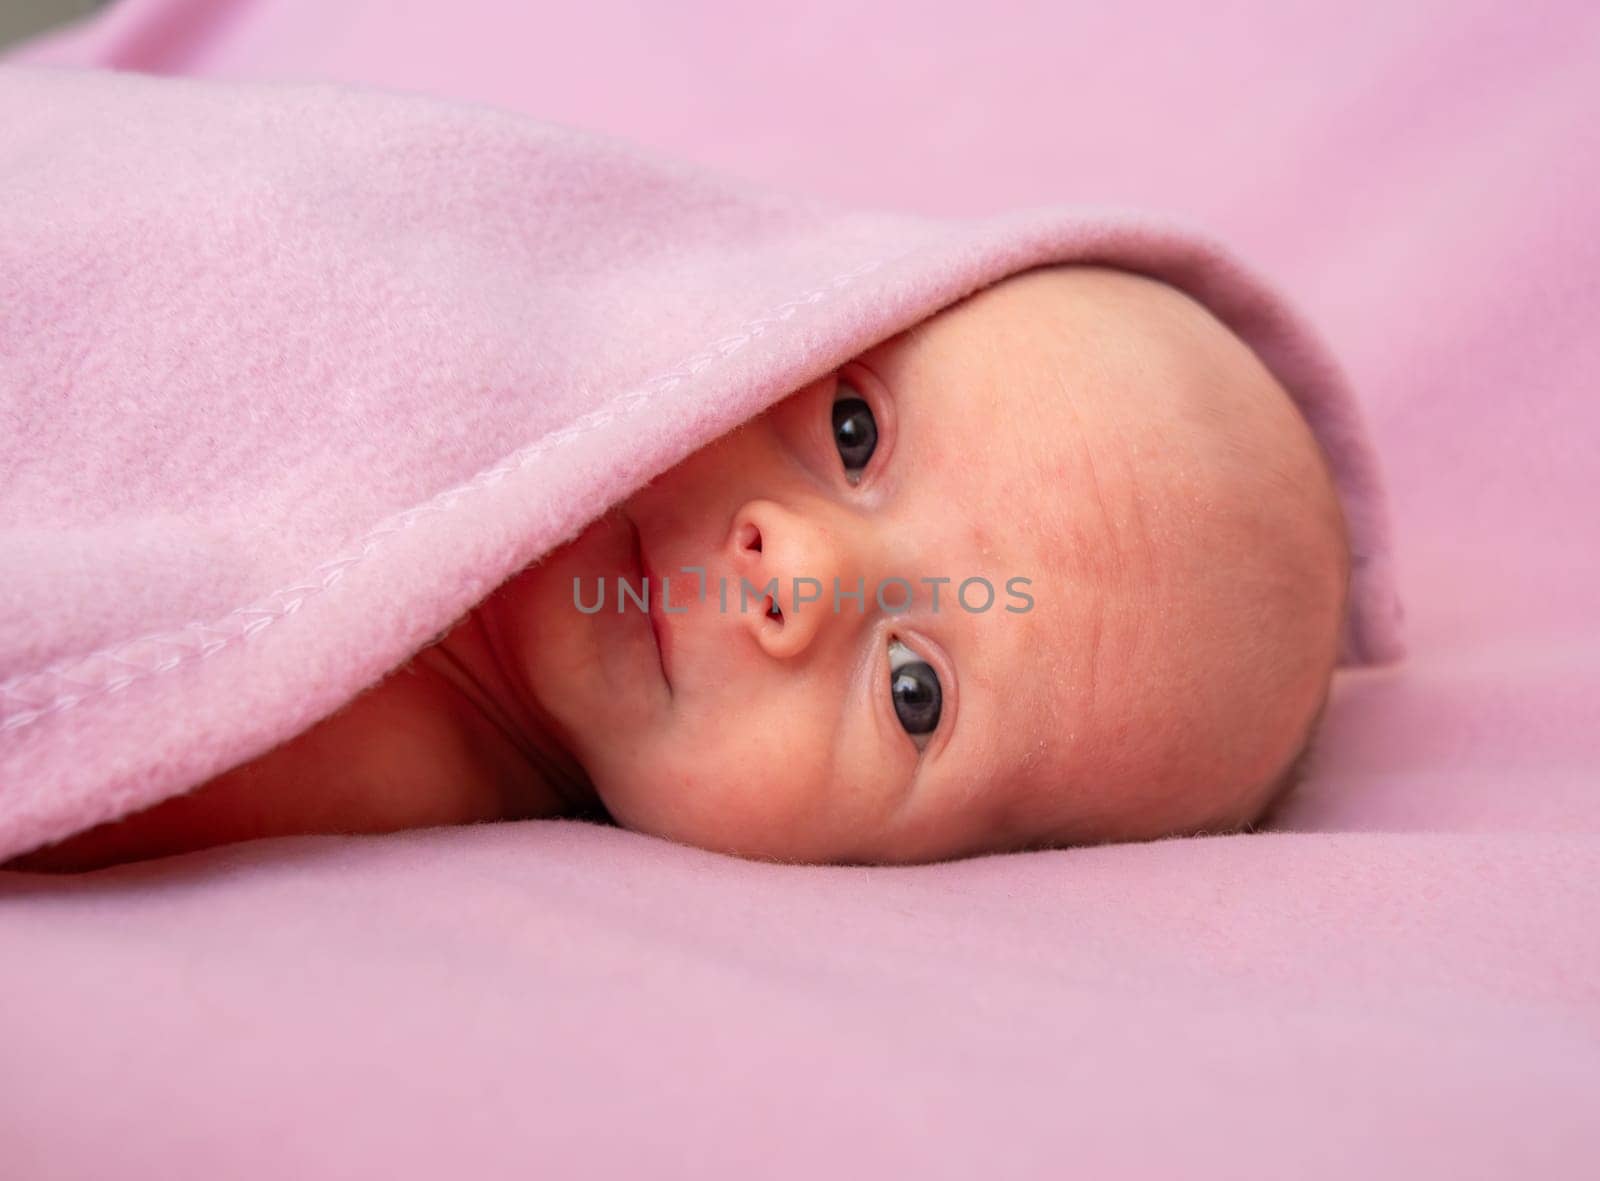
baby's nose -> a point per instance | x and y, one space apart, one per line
789 569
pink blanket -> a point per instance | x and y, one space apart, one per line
388 349
316 368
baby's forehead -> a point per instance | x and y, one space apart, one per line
1125 445
1087 325
1009 373
1078 398
1000 419
1008 405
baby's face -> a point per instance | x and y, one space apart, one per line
1045 645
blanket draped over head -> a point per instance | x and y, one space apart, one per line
293 375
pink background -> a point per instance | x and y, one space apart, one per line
1400 980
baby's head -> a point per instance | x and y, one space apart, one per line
1155 568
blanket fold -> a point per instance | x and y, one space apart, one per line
294 374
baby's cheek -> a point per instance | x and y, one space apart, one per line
651 782
717 787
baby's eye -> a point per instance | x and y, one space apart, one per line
855 433
914 688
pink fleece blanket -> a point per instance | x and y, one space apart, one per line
317 367
390 348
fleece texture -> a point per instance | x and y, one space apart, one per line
298 372
1397 980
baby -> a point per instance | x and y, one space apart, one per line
1061 565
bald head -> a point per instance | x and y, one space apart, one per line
1214 545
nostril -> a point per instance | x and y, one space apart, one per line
750 537
774 611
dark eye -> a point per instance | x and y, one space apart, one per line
914 689
855 434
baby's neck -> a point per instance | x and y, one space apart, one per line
541 777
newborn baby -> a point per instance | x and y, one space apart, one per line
1062 564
